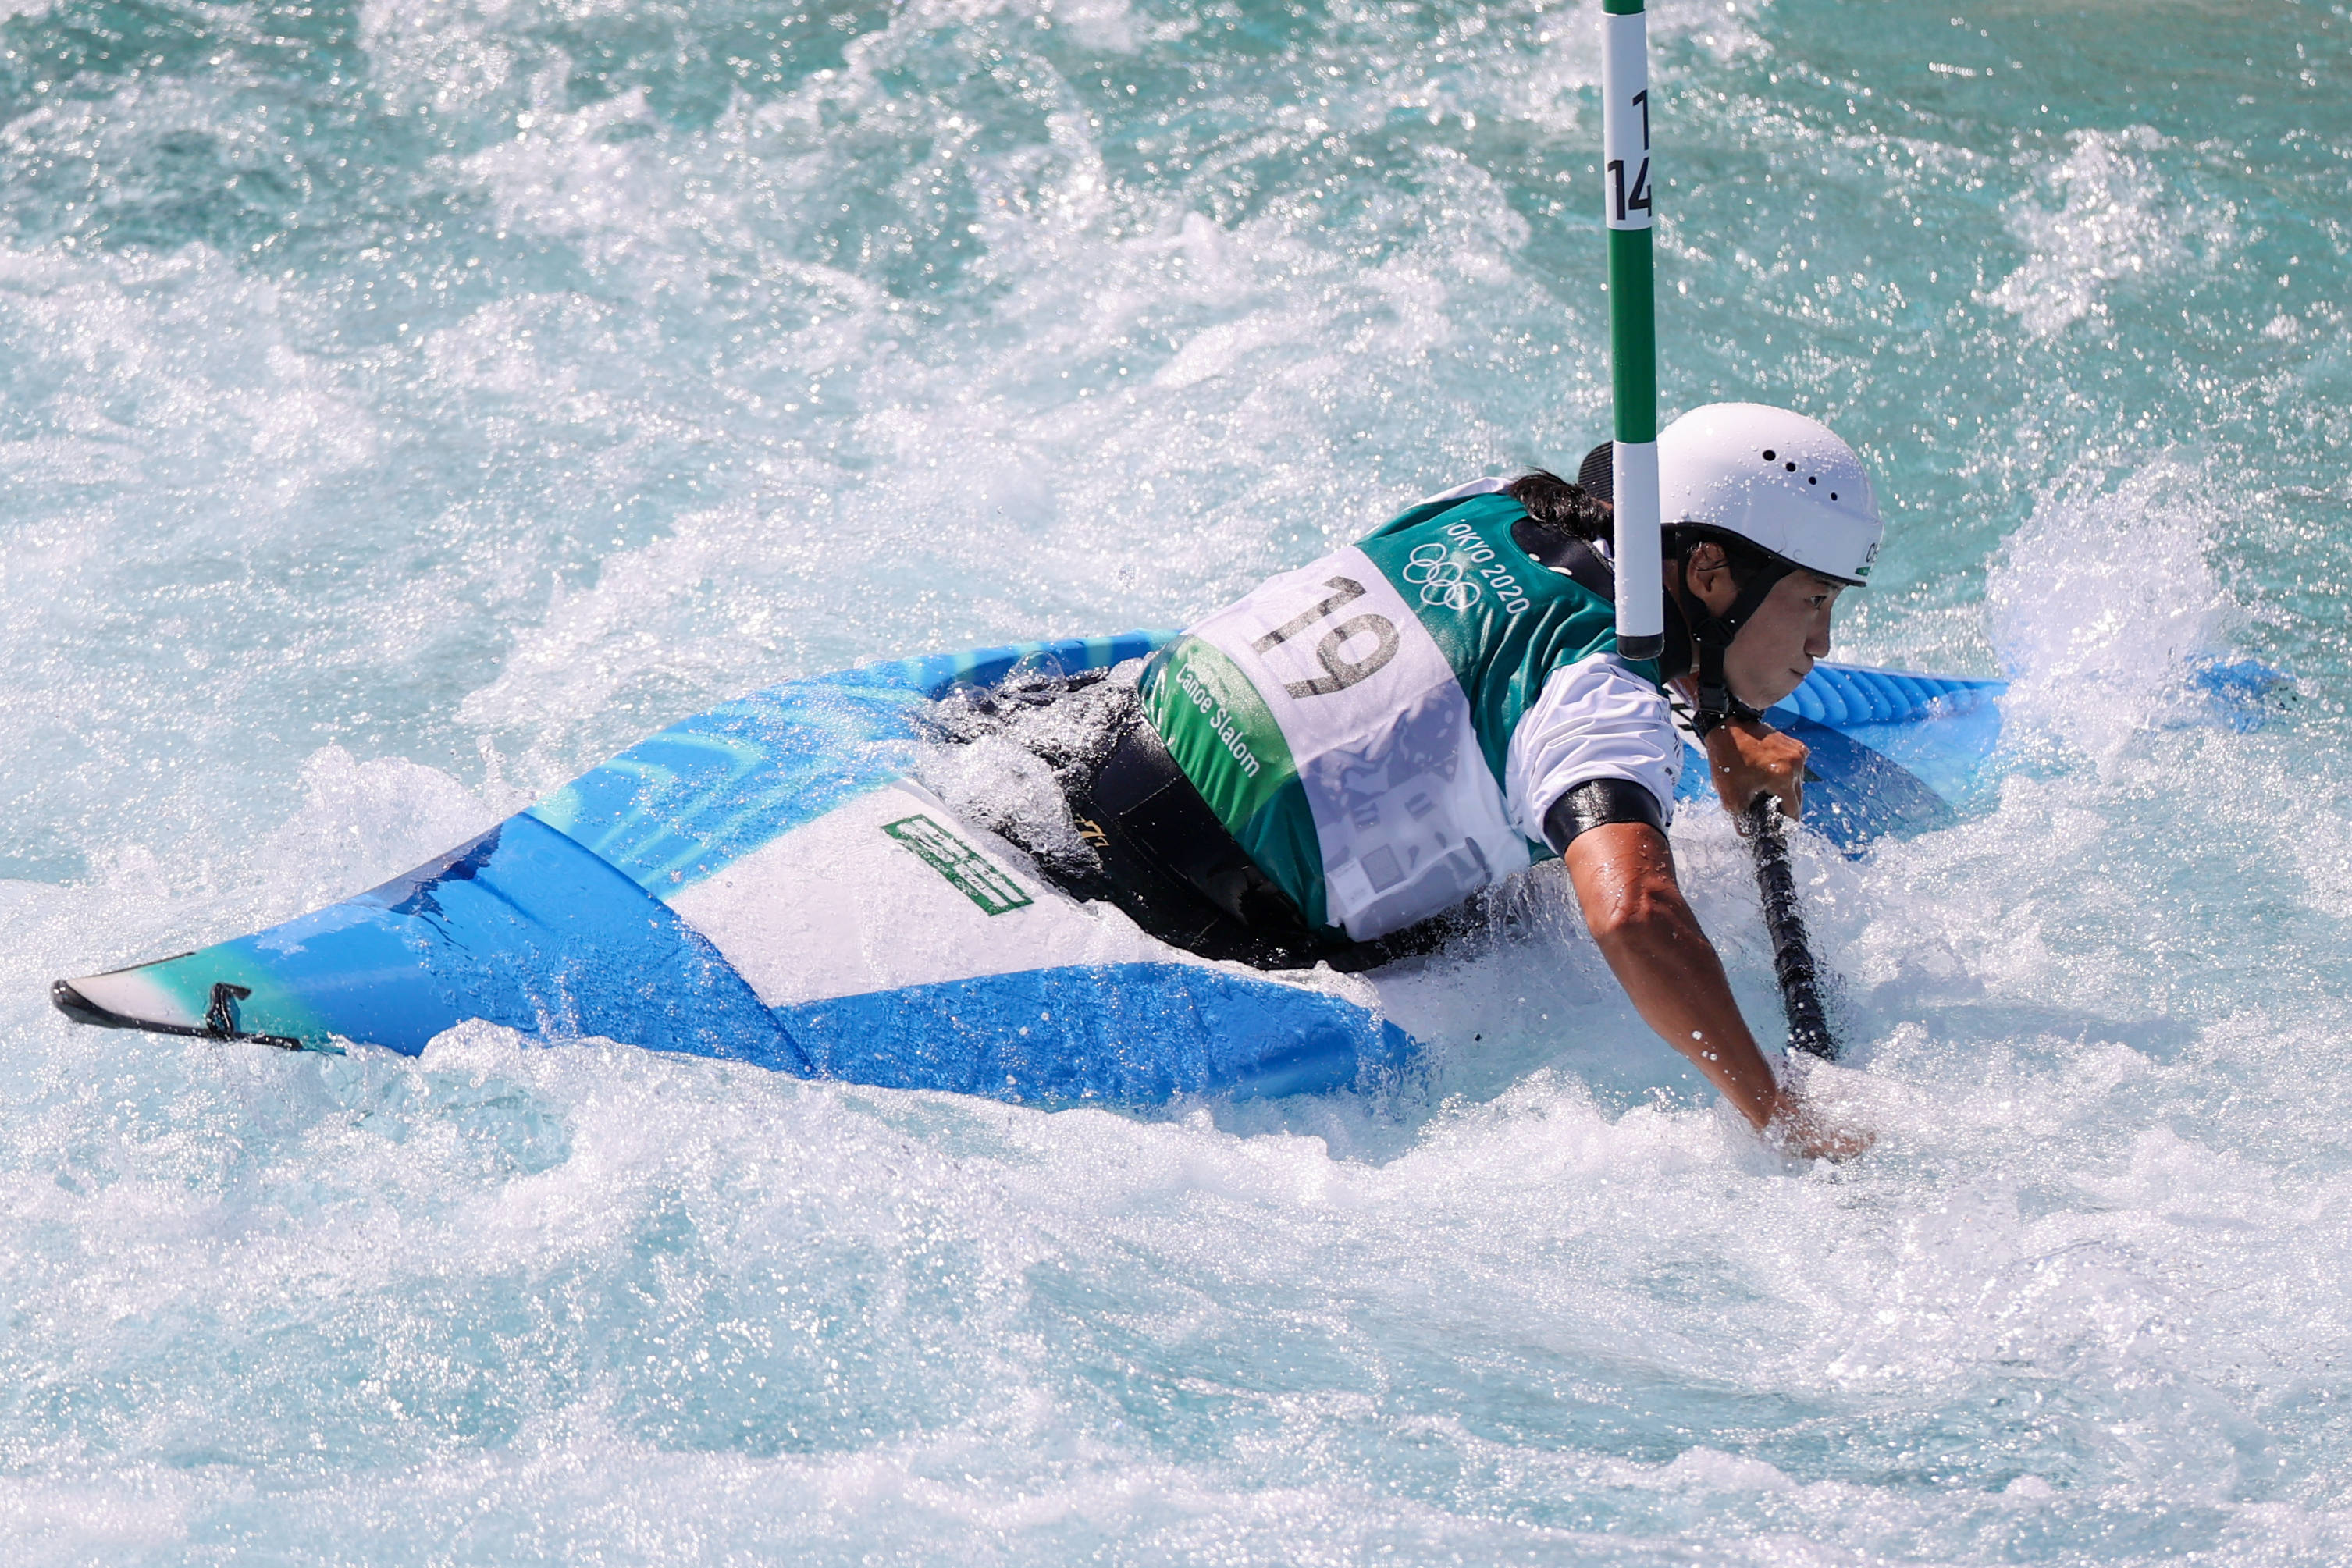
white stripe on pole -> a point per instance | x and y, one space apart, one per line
1640 579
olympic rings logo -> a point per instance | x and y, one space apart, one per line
1441 579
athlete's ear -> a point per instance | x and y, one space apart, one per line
1707 577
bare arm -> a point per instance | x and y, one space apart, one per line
1625 878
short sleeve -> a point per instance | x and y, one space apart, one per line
1593 719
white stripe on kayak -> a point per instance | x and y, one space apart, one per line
841 908
132 994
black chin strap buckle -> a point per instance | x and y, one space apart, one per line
1716 705
1712 635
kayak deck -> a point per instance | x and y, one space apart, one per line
764 884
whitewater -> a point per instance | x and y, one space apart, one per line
406 404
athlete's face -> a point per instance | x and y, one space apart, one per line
1775 651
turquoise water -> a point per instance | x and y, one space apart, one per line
403 406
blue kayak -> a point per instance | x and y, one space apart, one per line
770 883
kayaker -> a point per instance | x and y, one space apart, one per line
1357 746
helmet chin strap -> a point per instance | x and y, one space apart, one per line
1711 635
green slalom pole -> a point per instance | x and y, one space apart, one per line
1633 326
1634 388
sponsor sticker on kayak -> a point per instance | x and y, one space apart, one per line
973 874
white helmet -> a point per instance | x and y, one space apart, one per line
1777 479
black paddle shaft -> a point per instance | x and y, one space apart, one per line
1784 921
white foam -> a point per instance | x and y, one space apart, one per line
2117 219
2100 600
365 822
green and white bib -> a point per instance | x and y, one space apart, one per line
1350 721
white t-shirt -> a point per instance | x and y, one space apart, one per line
1593 719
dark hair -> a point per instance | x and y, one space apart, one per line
1557 505
1554 503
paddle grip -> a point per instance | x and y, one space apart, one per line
1784 922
